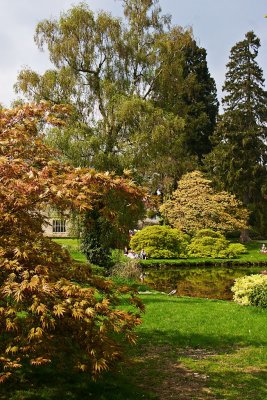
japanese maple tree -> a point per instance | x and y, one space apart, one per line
50 306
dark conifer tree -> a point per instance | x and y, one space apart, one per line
193 96
239 158
201 104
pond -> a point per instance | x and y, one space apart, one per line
208 282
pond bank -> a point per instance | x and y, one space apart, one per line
207 263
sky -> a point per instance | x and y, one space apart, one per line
217 26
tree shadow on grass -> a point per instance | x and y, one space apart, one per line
230 385
153 371
213 372
173 379
46 383
225 343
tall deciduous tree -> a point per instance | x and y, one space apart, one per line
239 158
49 306
106 70
196 205
113 72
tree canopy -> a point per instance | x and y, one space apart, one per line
196 205
50 306
192 95
114 72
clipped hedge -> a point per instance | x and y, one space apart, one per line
160 242
247 289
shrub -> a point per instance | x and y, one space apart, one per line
128 269
160 242
208 243
234 250
118 257
258 295
245 286
95 239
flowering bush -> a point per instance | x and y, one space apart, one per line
258 295
234 250
244 287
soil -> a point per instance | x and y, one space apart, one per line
160 374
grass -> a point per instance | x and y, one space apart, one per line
253 253
188 348
218 348
73 246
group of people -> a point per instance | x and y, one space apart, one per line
131 254
263 249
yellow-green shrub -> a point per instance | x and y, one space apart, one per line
258 295
244 287
160 242
208 243
234 250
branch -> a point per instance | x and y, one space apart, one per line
152 85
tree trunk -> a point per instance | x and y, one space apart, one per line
244 236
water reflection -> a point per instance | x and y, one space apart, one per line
209 282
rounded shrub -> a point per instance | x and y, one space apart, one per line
234 250
160 242
244 287
258 295
208 243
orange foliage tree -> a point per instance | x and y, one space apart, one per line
50 306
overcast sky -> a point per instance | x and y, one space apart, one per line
217 26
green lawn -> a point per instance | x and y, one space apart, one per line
73 246
254 254
188 348
214 349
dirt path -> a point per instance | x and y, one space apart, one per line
158 372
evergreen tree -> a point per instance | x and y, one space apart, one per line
239 158
193 96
